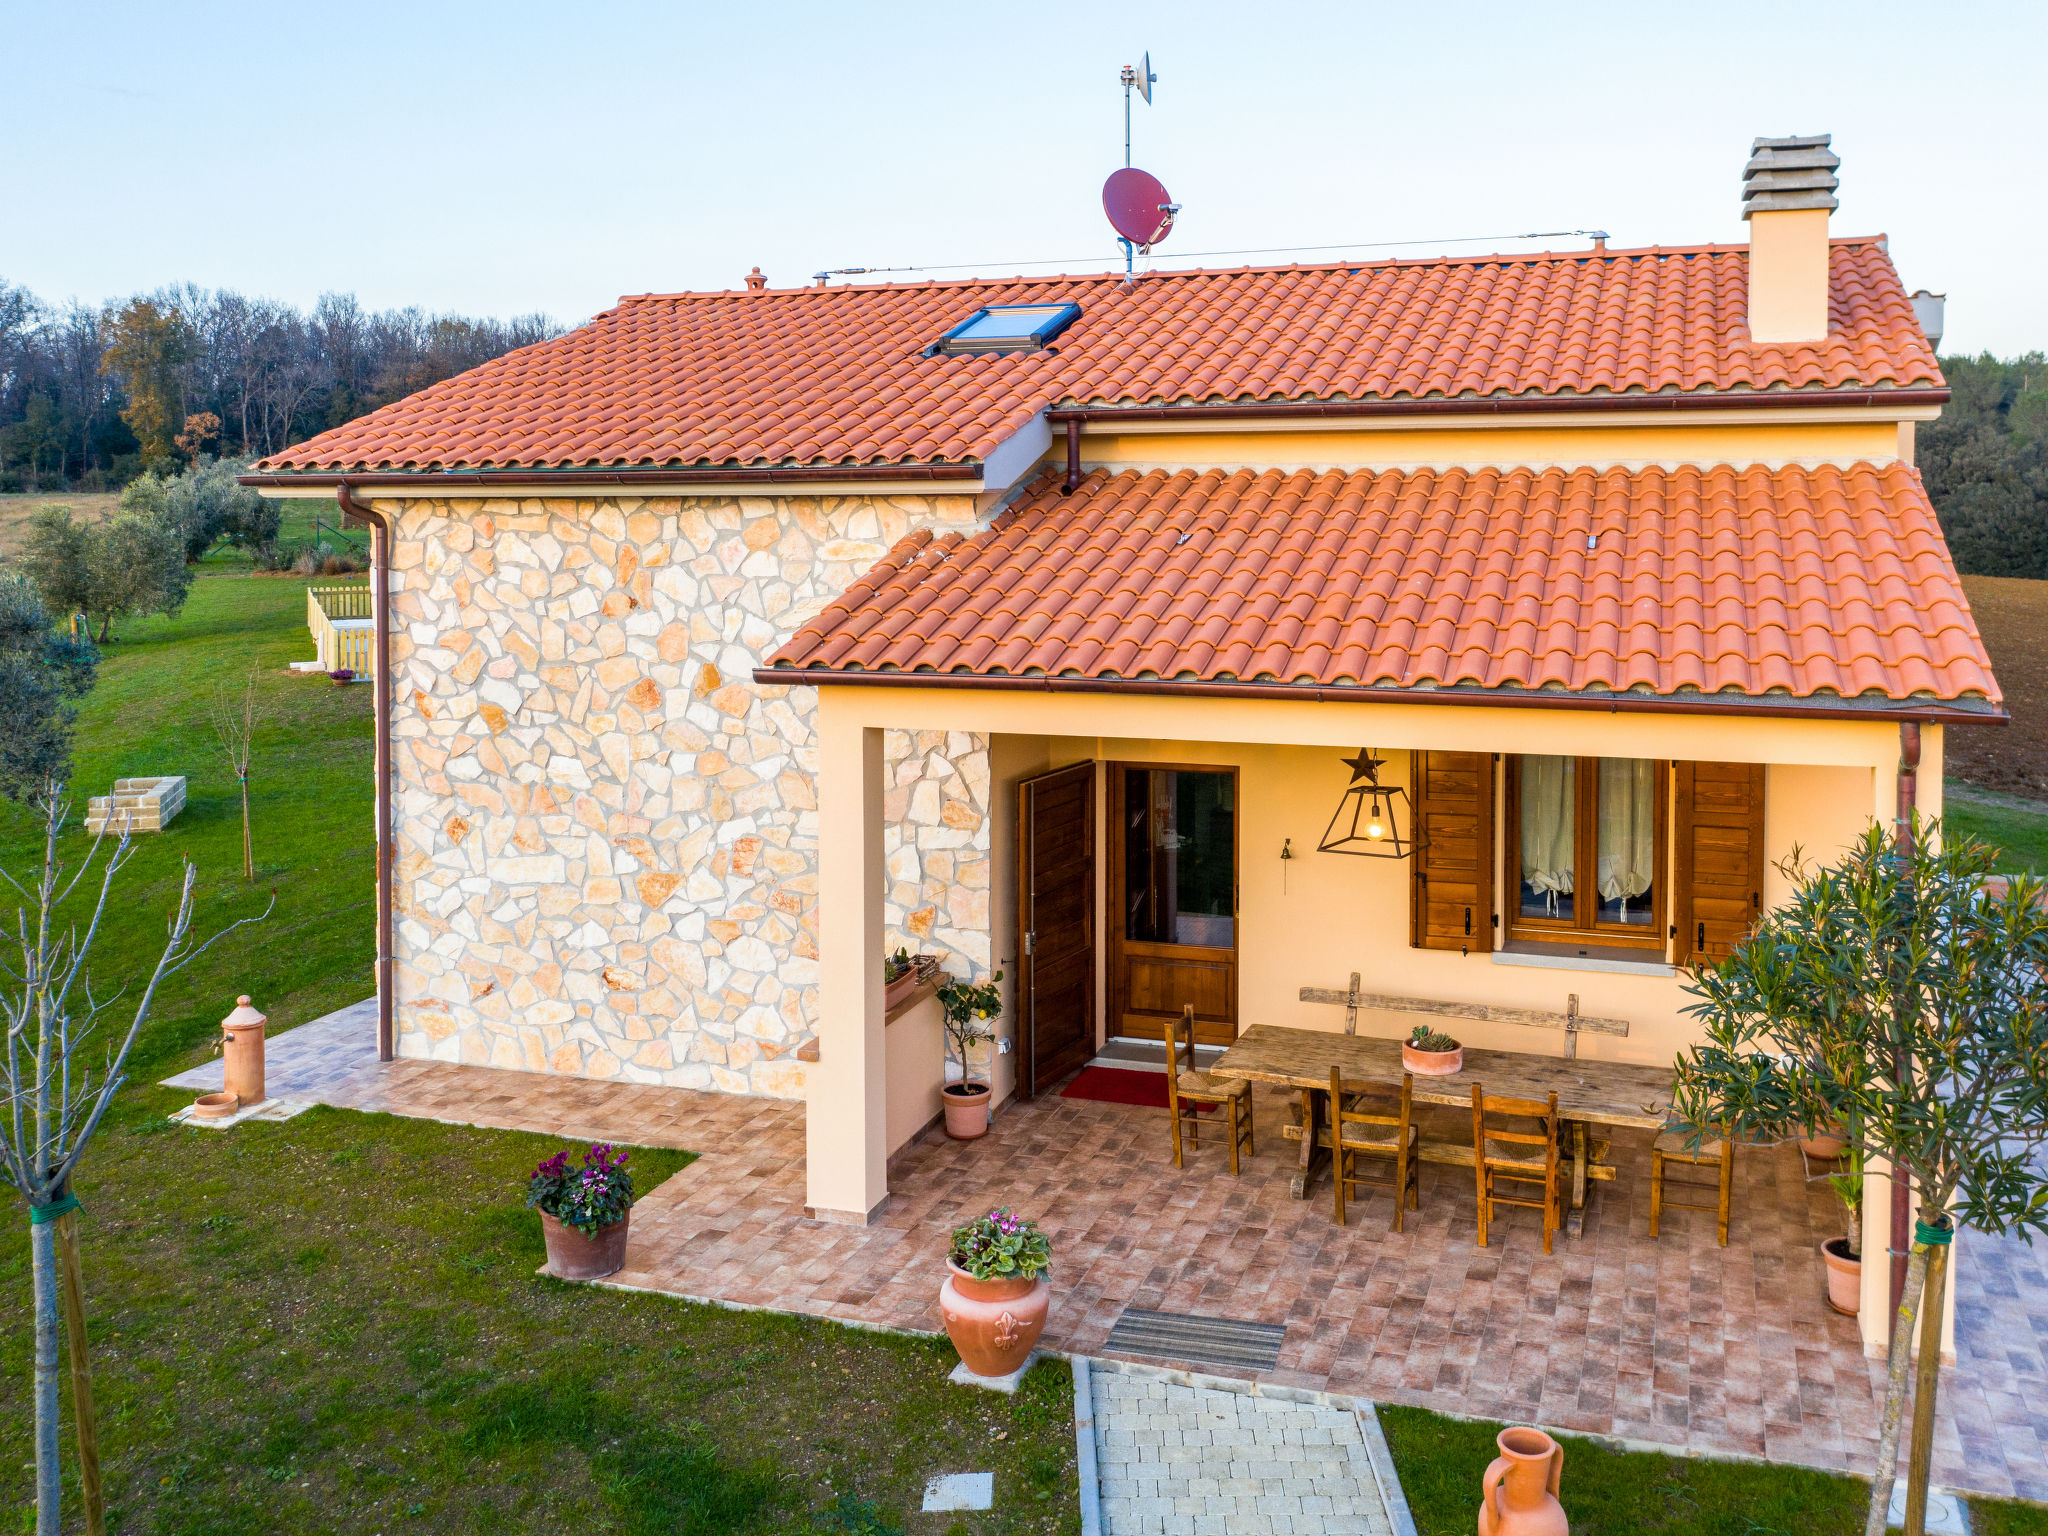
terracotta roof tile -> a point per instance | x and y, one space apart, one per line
837 376
1752 580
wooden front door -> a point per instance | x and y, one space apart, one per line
1173 869
1056 925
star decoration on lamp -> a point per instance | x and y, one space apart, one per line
1367 821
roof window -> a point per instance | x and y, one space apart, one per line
1005 328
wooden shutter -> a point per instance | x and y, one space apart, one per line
1719 879
1452 904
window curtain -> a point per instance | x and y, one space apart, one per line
1628 828
1549 791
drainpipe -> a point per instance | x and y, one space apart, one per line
380 610
1073 456
1902 1198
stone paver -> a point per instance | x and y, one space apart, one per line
1667 1340
1192 1461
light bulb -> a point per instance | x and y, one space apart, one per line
1373 828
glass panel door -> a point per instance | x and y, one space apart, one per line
1180 857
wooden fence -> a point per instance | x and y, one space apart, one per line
340 621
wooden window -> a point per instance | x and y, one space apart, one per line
1719 879
1585 844
1452 903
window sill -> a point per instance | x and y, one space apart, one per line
1560 957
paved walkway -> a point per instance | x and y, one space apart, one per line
1671 1341
1190 1461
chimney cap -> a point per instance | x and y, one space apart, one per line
1790 174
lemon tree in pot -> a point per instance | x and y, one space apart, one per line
968 1006
995 1296
584 1212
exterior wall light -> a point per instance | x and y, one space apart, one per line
1368 818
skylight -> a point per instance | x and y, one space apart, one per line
1006 328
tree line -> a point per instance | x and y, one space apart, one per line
1986 464
92 396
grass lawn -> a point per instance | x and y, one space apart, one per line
334 1324
2017 828
1642 1493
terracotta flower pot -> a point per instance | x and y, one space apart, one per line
893 992
216 1106
1518 1493
1845 1276
573 1255
1822 1146
966 1110
993 1323
342 676
1432 1063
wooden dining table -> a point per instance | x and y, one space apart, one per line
1589 1093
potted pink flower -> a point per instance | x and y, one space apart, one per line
584 1212
995 1297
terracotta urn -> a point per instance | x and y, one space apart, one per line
575 1255
1518 1493
1845 1276
1823 1146
966 1109
216 1106
1432 1063
241 1051
993 1323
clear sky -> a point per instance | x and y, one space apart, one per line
504 157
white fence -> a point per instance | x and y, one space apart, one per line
340 620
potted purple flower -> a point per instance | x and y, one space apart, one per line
995 1296
584 1212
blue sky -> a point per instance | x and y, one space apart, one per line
501 158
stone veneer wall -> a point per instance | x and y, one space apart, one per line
605 830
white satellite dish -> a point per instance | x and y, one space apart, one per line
1146 79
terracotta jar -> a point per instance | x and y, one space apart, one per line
966 1109
1845 1276
242 1051
993 1323
1824 1146
574 1255
1518 1494
1432 1063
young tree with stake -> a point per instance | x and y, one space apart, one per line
234 722
54 1104
1901 997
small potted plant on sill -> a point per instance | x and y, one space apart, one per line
1843 1255
1431 1053
584 1212
900 976
968 1007
995 1296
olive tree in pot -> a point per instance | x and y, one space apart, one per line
1843 1255
1902 994
968 1007
584 1212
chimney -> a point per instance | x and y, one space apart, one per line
755 281
1930 309
1788 191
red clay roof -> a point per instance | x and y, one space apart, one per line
1802 582
837 376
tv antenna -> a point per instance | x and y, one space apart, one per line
1139 209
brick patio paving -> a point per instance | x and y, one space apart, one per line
1670 1340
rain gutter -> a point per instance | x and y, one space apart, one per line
1619 703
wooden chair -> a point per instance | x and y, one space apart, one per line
1504 1153
1186 1088
1371 1120
1716 1151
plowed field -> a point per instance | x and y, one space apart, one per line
2012 615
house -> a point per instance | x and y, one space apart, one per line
1054 625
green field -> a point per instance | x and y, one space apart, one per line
2017 828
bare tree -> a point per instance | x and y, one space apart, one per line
54 1104
235 724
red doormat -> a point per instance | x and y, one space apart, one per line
1121 1085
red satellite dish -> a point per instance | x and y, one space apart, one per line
1138 206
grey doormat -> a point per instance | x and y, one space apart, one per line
1223 1342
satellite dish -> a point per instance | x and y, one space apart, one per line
1146 79
1138 207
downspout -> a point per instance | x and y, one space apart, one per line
1073 456
1902 1197
380 611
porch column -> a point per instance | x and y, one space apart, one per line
845 1089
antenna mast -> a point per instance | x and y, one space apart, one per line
1140 76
